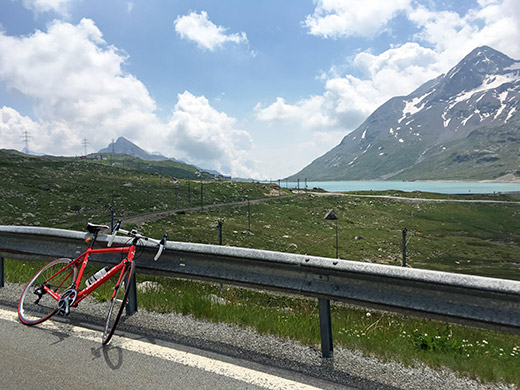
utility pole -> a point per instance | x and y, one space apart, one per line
248 215
112 209
201 196
85 144
25 138
404 246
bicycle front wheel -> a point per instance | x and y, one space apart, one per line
118 302
35 304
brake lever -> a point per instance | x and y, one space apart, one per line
116 228
161 248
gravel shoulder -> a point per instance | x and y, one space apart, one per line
346 367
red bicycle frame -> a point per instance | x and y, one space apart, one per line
63 286
82 261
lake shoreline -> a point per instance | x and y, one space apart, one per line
434 186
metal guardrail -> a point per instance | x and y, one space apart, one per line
472 300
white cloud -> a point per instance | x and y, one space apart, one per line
198 28
348 100
493 23
208 138
79 90
39 6
13 125
344 18
76 82
444 37
396 71
309 113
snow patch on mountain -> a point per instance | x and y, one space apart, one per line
410 107
490 82
510 114
515 66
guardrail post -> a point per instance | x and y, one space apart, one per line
131 306
325 327
219 232
1 272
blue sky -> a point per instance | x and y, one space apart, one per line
250 88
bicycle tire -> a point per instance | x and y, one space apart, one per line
59 275
117 303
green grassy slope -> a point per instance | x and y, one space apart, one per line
472 238
52 191
162 167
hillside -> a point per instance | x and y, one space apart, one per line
64 192
462 125
163 167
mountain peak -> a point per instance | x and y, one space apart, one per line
463 123
482 60
122 140
486 52
471 72
124 146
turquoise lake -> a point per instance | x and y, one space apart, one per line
425 186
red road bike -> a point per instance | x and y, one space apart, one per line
56 287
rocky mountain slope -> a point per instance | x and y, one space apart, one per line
124 146
464 124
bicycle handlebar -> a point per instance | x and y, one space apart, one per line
134 233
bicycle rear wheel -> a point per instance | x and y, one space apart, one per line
36 305
118 302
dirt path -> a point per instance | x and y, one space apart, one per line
147 217
416 200
140 219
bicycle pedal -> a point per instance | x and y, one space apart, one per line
63 312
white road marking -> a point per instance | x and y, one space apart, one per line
229 370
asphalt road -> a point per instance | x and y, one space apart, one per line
59 354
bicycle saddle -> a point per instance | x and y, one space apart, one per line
95 229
